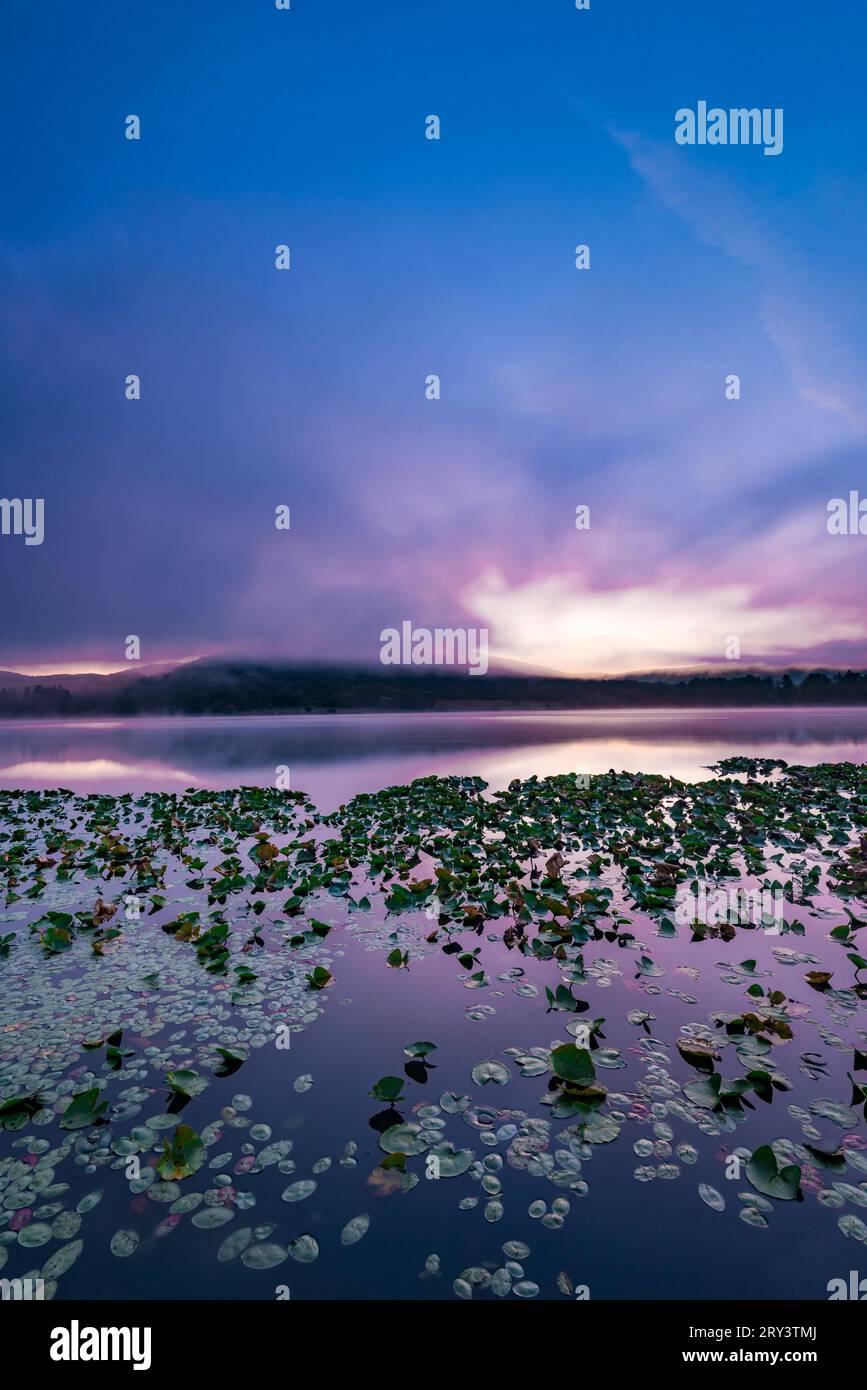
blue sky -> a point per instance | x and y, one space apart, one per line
411 257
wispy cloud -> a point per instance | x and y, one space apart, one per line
791 313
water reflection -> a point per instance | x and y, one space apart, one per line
335 756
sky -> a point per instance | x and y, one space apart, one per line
306 388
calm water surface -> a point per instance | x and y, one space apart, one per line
624 1239
333 757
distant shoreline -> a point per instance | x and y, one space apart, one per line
248 688
107 719
98 717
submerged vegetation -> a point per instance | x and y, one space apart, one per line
161 957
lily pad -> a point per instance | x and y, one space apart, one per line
234 1244
485 1072
451 1162
298 1191
265 1256
124 1243
403 1138
304 1249
766 1175
355 1229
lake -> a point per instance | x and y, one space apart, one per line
436 1042
333 757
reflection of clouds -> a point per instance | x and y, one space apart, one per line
689 764
334 757
63 772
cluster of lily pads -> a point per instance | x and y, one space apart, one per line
152 947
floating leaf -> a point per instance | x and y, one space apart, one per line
124 1243
234 1244
573 1064
319 978
183 1156
186 1083
84 1110
387 1088
451 1162
403 1139
264 1256
211 1217
766 1175
233 1058
305 1249
485 1072
62 1260
354 1230
298 1191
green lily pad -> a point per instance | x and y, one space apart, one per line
84 1110
181 1157
354 1230
573 1064
403 1138
766 1175
124 1243
305 1249
452 1162
264 1256
298 1191
387 1088
484 1073
62 1260
210 1217
234 1244
186 1083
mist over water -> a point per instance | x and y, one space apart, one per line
334 757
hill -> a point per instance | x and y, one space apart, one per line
215 687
